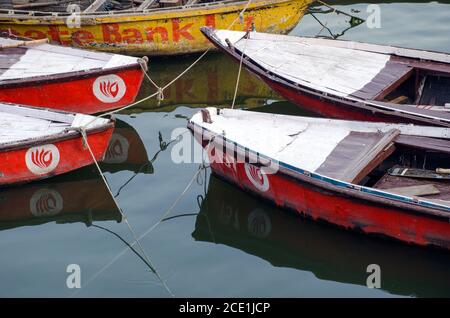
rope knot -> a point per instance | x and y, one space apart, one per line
82 131
143 62
160 95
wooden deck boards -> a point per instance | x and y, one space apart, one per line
389 182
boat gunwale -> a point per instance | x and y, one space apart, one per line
10 14
368 105
421 207
65 77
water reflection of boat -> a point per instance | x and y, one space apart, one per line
231 217
126 151
210 83
75 197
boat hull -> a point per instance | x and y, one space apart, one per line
320 202
327 105
53 156
164 32
75 92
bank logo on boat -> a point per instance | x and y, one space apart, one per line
46 202
109 88
117 151
42 159
257 177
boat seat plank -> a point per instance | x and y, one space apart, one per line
36 113
368 161
415 190
420 142
358 154
94 6
146 4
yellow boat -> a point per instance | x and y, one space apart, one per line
154 31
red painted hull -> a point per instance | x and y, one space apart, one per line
67 154
74 93
325 107
345 211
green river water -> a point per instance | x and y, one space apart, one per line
224 243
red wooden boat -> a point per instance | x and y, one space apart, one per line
385 179
346 80
38 74
36 143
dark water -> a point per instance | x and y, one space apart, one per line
223 242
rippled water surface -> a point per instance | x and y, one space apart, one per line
223 242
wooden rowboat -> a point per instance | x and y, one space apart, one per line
43 75
36 144
153 27
342 172
347 80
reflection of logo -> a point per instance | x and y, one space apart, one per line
259 223
117 151
42 159
257 177
109 88
46 202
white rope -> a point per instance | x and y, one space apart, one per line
175 203
160 90
163 216
238 76
160 96
82 131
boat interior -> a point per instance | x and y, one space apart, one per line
90 6
422 88
412 166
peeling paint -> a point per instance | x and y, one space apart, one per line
166 32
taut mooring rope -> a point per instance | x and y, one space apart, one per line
83 133
160 95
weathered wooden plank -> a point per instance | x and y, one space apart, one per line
94 6
144 5
37 113
369 160
23 43
191 2
399 99
416 190
34 5
425 143
418 173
